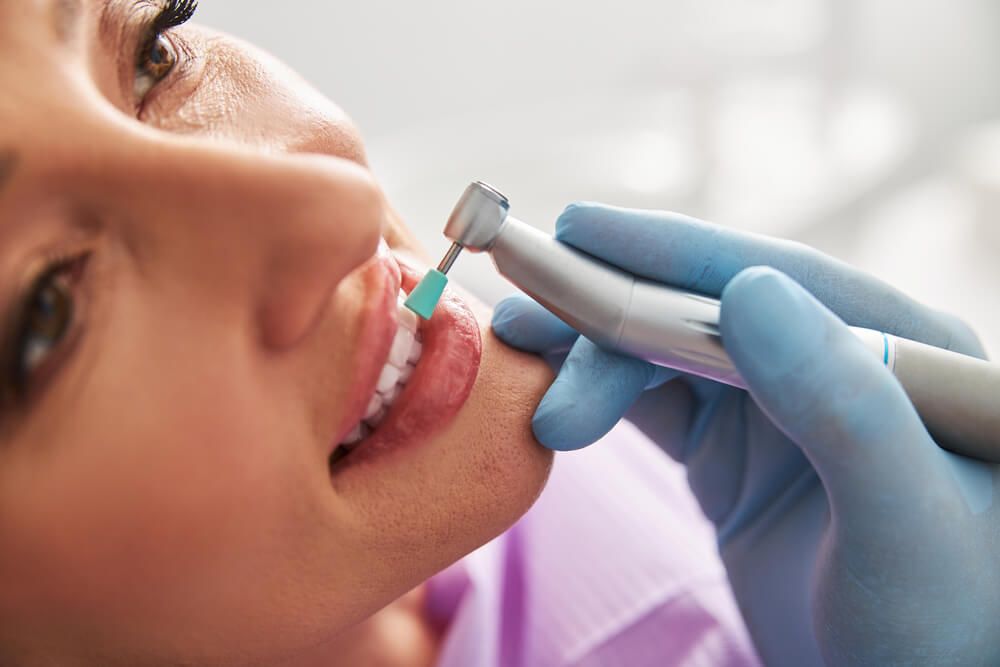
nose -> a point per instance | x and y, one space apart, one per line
276 232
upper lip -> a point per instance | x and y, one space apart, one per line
378 328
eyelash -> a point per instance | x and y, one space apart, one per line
172 14
20 376
19 372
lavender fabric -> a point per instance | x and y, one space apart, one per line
613 566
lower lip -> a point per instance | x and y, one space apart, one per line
439 386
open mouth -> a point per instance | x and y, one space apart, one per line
417 375
407 347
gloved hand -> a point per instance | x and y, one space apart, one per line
847 533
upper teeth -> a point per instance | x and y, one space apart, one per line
403 357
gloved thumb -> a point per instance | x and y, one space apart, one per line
829 394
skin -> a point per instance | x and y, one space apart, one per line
165 497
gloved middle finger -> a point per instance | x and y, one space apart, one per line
592 393
520 322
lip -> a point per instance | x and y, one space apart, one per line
383 278
441 382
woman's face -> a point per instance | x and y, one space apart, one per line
198 302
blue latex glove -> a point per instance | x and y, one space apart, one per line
847 533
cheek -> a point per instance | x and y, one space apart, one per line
175 486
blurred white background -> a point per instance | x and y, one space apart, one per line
863 127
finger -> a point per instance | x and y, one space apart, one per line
829 394
699 256
665 415
593 391
522 323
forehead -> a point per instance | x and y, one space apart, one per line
26 16
43 43
47 23
29 29
27 38
22 33
50 83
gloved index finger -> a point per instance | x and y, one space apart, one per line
692 254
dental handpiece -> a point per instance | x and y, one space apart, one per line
957 396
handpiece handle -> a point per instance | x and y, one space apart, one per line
956 396
651 321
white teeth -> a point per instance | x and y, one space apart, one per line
377 418
374 406
403 357
408 319
354 436
405 374
401 347
388 379
415 351
390 397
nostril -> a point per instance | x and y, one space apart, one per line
317 220
299 290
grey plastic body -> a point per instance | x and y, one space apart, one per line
660 324
958 397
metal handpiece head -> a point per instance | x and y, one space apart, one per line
478 217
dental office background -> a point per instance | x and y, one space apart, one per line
867 128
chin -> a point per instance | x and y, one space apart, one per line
489 467
495 448
476 476
419 513
512 466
